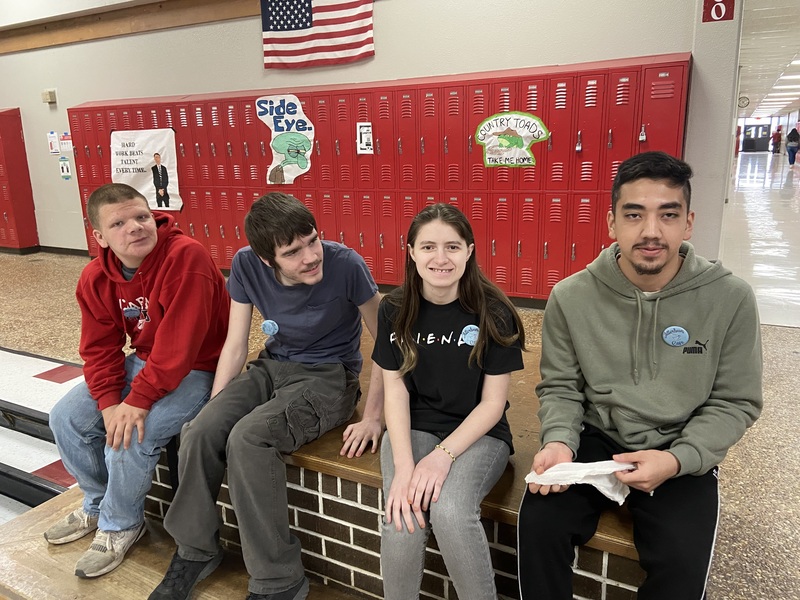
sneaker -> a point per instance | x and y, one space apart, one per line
72 527
182 576
107 551
298 592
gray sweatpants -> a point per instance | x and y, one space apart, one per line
271 409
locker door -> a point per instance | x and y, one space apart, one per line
223 223
309 179
8 227
390 257
663 109
384 136
527 238
139 118
80 145
561 145
347 229
91 243
365 176
153 118
603 240
589 123
187 153
344 133
500 261
430 139
234 143
214 203
503 94
102 136
241 203
407 139
257 154
309 199
554 238
477 210
583 228
326 216
454 140
323 152
218 157
534 93
621 102
367 235
454 199
192 215
477 175
201 140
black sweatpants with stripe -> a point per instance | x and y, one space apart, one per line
674 531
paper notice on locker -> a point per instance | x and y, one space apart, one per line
146 159
292 137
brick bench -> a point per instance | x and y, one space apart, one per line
335 510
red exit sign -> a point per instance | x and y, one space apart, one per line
718 10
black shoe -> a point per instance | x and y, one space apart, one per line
298 592
182 576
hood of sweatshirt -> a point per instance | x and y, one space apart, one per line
112 266
695 272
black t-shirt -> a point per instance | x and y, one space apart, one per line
444 388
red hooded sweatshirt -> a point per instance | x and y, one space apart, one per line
175 310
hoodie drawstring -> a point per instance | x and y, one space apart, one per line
654 374
636 340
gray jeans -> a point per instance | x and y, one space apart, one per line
455 520
271 409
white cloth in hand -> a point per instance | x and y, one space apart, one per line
599 474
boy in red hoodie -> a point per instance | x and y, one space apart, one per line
161 289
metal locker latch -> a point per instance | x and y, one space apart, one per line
579 145
642 134
609 139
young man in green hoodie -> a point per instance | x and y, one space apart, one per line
651 356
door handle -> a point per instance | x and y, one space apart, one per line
573 252
545 250
222 231
579 145
610 145
519 248
643 134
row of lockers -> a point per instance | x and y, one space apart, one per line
17 215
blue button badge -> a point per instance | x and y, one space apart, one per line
675 336
470 335
269 327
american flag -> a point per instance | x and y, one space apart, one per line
314 33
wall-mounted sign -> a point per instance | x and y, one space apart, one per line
364 138
718 10
64 167
507 137
146 160
292 137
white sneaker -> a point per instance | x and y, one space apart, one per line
107 551
72 527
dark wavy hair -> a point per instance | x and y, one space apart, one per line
476 294
276 219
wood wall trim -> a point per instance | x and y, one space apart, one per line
138 19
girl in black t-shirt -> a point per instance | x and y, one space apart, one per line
448 339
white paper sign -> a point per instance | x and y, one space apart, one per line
52 143
133 161
364 138
292 137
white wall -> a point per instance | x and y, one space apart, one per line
413 38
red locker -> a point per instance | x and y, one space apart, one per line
383 136
455 130
214 214
477 211
365 175
410 206
187 152
430 140
603 240
323 161
663 109
621 101
191 218
234 143
554 238
257 155
309 179
91 242
589 137
216 130
17 214
561 144
454 199
503 96
326 216
533 90
347 225
527 246
407 139
344 148
367 242
80 144
583 229
477 176
390 258
242 201
500 249
427 199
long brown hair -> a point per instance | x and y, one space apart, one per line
476 294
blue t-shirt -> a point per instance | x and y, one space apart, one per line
315 324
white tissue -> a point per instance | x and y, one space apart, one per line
599 474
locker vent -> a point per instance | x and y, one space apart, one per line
221 175
429 173
249 114
223 202
386 173
345 174
454 104
528 211
384 112
168 117
82 171
139 119
347 205
504 99
240 202
6 194
183 117
501 275
429 106
190 174
526 277
194 203
453 173
407 174
362 110
3 233
322 111
614 168
366 172
237 172
2 170
198 116
409 208
501 210
254 173
325 173
327 205
590 94
75 122
232 118
214 115
205 173
95 172
366 206
100 121
529 174
342 111
478 103
107 171
585 211
587 170
503 174
387 207
623 91
561 97
87 122
532 98
478 172
553 277
555 211
477 211
228 254
557 174
662 89
214 251
368 260
153 119
406 108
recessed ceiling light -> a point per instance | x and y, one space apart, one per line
784 94
789 77
786 87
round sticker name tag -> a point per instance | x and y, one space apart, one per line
675 336
269 327
470 335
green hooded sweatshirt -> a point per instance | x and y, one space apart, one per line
678 369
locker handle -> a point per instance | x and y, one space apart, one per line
316 146
519 248
5 216
263 149
191 229
610 145
75 151
246 151
493 248
402 243
445 145
422 145
213 149
197 149
573 252
85 222
238 234
230 150
86 149
337 148
545 250
579 145
550 142
378 145
99 151
643 134
341 237
380 240
183 150
205 228
469 144
222 231
399 145
361 238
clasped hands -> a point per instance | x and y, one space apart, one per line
414 488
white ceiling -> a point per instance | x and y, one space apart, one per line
770 43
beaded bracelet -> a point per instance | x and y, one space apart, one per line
440 447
